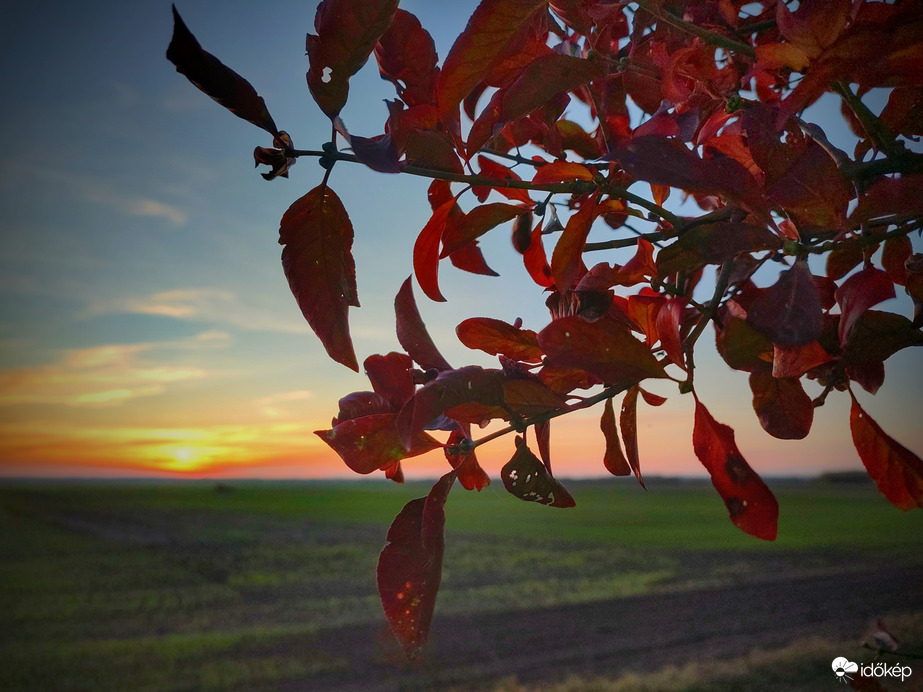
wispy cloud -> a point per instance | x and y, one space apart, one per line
96 191
270 407
213 305
107 375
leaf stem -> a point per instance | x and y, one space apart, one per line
709 37
724 276
467 446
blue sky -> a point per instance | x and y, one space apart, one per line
145 322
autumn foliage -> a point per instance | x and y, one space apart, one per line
697 100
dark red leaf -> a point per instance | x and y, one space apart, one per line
412 334
614 459
426 251
860 292
492 169
526 477
469 258
714 244
640 267
870 375
652 399
410 566
220 82
742 347
469 471
391 377
407 58
347 31
494 24
317 258
470 384
628 420
568 252
603 348
752 506
497 337
894 258
378 153
358 404
664 161
896 470
891 196
667 324
476 223
543 440
877 335
789 313
522 233
372 442
797 360
843 259
535 260
783 407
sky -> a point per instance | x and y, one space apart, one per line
146 327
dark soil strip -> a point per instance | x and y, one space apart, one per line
641 633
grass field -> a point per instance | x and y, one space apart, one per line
174 586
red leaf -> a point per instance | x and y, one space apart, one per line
372 442
220 82
783 407
614 459
541 80
407 58
842 260
347 31
797 360
652 399
535 260
426 252
860 292
603 348
894 258
358 404
469 258
568 252
664 161
752 506
391 377
561 171
410 566
469 471
470 384
543 440
476 223
639 267
318 262
527 478
742 347
667 324
412 334
497 337
628 420
494 24
789 313
896 470
492 169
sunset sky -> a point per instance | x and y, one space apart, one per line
146 327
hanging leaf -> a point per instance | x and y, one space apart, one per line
536 261
347 31
469 471
317 258
783 407
412 334
407 58
497 337
789 313
526 477
372 442
426 252
476 223
391 377
896 470
628 420
410 566
614 459
543 440
568 252
857 294
752 506
220 82
603 348
494 24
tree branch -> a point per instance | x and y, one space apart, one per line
709 37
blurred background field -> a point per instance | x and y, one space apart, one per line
251 585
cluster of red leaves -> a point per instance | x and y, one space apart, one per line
723 88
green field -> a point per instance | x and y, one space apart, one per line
170 586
